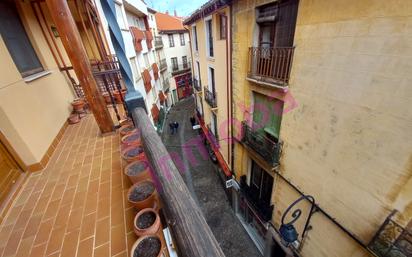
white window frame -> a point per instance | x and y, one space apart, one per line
123 24
194 36
209 18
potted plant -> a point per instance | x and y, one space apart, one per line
127 129
126 121
119 96
143 195
78 105
147 246
147 222
73 118
137 171
133 153
132 139
106 97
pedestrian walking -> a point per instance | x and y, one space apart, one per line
193 121
172 128
176 125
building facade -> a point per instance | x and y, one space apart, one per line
314 123
176 54
210 45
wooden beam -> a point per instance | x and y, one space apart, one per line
70 36
188 225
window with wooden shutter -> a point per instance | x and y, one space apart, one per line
17 41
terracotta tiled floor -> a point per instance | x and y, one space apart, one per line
76 206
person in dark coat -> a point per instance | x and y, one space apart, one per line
193 121
172 128
176 125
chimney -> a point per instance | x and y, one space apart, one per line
175 13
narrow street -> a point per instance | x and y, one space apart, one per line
205 185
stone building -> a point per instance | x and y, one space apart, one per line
320 103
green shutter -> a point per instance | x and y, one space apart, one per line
267 114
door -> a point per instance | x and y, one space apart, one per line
261 185
9 172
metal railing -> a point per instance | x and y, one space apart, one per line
197 85
271 65
158 42
392 240
107 76
163 64
261 144
210 97
180 68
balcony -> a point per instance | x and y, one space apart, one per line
210 97
79 203
163 65
197 85
265 147
166 85
180 68
158 42
270 66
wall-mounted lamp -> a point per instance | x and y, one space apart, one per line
288 231
55 32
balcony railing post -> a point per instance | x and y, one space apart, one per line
187 223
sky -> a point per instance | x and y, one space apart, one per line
182 7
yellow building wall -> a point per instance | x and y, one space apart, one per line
32 113
220 65
348 143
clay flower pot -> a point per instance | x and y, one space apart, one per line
143 195
137 171
106 97
133 153
132 139
126 121
73 118
147 222
78 105
127 129
119 96
147 246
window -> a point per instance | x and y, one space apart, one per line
261 184
171 40
214 125
136 72
17 41
146 60
209 38
182 39
184 60
267 116
194 34
174 64
198 71
223 26
119 16
212 80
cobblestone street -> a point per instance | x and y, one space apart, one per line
205 185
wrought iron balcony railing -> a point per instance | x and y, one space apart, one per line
270 65
197 85
268 149
392 240
210 97
163 64
158 42
180 68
